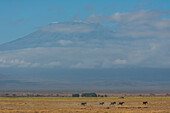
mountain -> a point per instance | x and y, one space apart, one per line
78 55
59 35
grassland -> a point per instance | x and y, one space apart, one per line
73 105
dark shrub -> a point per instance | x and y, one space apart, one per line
89 95
75 95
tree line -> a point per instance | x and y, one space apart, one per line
88 95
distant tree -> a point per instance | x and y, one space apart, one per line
6 94
98 95
75 95
14 95
38 95
101 96
89 95
140 95
167 94
152 94
105 95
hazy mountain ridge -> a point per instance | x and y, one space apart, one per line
133 79
112 86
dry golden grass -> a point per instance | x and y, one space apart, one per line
73 105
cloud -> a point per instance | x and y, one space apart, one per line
130 18
71 27
20 21
142 4
52 64
111 7
111 54
89 7
142 32
51 9
141 24
133 18
16 63
75 17
65 42
167 12
93 18
119 61
59 8
17 5
137 24
86 64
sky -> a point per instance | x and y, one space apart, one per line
21 17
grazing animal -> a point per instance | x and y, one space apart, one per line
83 103
121 103
145 102
121 97
112 103
101 103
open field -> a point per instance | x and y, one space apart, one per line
73 105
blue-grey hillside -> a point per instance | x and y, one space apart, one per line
61 34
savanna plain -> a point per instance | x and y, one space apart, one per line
74 105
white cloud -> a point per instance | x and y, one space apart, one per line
93 18
119 61
137 17
16 63
65 42
35 65
136 24
85 64
70 27
113 54
142 4
53 64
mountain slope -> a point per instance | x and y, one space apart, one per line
55 35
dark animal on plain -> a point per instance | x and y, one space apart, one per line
101 103
121 103
112 103
145 102
83 103
121 97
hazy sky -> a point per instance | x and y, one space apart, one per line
21 17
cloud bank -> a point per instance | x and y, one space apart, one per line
137 24
113 54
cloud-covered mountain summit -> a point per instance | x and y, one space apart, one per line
132 39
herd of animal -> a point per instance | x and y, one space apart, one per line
113 103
